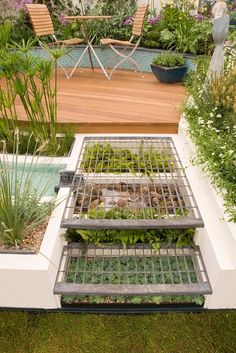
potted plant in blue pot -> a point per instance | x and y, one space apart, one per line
169 67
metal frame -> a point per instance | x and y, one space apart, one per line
105 270
89 48
99 175
89 42
137 33
121 54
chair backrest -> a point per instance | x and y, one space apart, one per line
40 19
139 18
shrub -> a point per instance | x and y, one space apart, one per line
211 114
175 29
169 60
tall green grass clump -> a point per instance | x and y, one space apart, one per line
21 208
32 81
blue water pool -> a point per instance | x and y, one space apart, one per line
44 176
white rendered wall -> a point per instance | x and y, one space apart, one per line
217 240
27 281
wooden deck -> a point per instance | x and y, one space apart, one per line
127 103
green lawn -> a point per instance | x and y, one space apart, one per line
213 332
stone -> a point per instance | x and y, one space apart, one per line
219 9
122 202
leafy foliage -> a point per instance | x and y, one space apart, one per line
28 78
175 29
5 31
58 7
134 270
132 213
169 60
155 237
122 299
120 10
211 114
102 157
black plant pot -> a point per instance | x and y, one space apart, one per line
169 74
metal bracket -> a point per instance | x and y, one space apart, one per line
68 178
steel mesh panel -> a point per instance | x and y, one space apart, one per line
130 182
134 270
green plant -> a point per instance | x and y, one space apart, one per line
30 79
211 117
151 39
175 29
183 5
172 16
114 27
21 209
121 299
155 237
102 157
59 7
131 270
193 37
169 60
167 38
117 27
5 31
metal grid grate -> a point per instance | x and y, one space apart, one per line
113 270
130 182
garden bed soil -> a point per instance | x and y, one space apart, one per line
31 243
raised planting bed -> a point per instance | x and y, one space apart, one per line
217 239
27 200
130 183
28 277
134 270
30 145
144 56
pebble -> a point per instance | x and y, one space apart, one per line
122 202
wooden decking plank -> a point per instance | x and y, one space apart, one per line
91 103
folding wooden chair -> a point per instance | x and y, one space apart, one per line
42 26
137 33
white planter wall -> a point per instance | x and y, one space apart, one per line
217 240
27 281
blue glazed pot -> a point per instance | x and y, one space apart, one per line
232 21
169 74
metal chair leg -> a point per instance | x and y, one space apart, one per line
102 67
78 62
125 58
